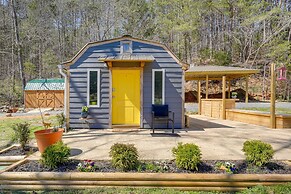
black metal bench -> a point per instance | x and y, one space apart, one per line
162 113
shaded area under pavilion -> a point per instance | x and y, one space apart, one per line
217 107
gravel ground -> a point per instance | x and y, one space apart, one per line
207 166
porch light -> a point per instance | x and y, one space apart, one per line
282 73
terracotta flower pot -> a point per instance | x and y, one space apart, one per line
47 137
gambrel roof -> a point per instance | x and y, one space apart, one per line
126 37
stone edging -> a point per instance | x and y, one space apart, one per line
83 180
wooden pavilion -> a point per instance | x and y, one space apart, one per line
217 107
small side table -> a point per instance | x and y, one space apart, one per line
85 122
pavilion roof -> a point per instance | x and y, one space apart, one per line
216 72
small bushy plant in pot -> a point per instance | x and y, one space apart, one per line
84 112
61 119
258 153
21 134
187 156
234 95
55 155
124 156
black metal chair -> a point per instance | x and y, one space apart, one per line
162 113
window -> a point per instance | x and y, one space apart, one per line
158 86
93 87
126 47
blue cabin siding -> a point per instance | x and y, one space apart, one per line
99 117
173 83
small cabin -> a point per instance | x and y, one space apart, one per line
44 93
119 80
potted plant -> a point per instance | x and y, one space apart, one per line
234 95
61 119
48 136
84 113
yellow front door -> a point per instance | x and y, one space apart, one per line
125 97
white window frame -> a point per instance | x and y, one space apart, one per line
98 87
126 42
163 85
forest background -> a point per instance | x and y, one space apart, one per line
37 35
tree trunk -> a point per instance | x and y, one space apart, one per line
18 45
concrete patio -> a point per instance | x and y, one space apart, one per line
218 140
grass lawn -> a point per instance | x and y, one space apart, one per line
6 124
278 189
267 109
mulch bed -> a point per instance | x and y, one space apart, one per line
207 166
17 151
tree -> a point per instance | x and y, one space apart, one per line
45 33
18 44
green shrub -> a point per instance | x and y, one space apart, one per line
21 134
61 119
187 156
55 155
257 152
124 156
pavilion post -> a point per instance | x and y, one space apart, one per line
199 96
273 97
207 80
247 90
229 89
223 97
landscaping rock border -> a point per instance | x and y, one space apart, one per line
84 180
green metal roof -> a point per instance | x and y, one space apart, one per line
46 84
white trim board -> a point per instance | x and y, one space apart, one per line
98 87
163 84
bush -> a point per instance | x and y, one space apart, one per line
61 119
55 155
21 134
187 156
258 152
124 156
